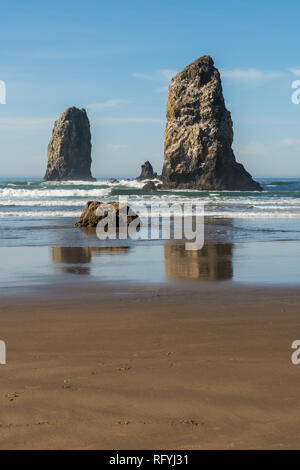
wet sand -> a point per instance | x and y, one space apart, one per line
199 366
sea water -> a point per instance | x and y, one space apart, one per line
249 236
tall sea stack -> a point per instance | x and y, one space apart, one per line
198 137
69 150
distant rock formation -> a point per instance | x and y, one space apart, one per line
90 218
113 180
147 172
69 150
149 186
198 137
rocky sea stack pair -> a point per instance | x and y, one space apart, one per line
198 138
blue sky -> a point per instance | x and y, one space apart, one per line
116 59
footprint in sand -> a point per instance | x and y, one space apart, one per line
12 396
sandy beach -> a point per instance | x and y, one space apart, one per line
206 366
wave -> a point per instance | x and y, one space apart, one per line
44 193
41 214
248 206
38 203
67 198
155 214
282 183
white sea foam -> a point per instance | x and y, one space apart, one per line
40 214
133 184
253 215
66 199
72 182
122 182
43 203
46 193
154 213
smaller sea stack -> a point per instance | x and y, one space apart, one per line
69 150
147 172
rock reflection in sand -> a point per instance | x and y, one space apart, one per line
78 259
212 263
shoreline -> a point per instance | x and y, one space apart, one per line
164 368
108 289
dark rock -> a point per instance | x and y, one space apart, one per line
90 219
113 180
198 137
147 172
149 186
69 150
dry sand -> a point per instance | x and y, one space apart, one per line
179 368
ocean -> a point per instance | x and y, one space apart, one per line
31 198
29 204
250 237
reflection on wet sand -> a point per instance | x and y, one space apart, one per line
212 263
78 257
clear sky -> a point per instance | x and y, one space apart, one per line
115 58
